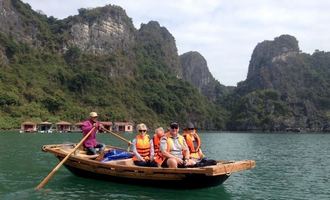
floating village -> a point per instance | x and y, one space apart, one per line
67 127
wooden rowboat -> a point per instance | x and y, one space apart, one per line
125 171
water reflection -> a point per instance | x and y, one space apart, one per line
72 187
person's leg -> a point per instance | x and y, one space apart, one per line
152 164
164 163
100 151
90 151
190 163
172 163
140 163
100 147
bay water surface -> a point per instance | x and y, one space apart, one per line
288 166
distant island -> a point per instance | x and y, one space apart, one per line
53 70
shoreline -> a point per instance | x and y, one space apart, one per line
203 131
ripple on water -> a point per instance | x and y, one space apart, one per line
294 166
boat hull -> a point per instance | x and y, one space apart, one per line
124 170
180 181
190 181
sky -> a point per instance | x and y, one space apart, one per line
225 32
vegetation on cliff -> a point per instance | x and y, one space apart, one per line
46 82
62 69
285 89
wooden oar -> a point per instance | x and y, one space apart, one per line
44 182
120 137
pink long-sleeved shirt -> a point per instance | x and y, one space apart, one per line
86 127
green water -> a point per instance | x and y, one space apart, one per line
289 166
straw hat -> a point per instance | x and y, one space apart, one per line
93 114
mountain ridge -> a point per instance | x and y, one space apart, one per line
59 74
282 89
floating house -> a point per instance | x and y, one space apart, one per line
76 127
45 127
297 130
63 127
123 126
107 125
28 127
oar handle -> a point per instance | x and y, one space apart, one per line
120 137
49 176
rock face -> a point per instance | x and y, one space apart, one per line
14 22
283 89
106 31
102 30
60 67
269 52
94 60
19 23
269 63
157 42
196 72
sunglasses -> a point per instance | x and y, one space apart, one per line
142 131
174 127
190 129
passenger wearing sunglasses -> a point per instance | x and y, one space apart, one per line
193 142
175 150
141 147
194 145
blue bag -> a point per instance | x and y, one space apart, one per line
116 154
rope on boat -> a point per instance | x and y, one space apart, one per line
232 167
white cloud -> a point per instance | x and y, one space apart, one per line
224 32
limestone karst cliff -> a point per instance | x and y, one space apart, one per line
61 69
196 72
97 60
285 89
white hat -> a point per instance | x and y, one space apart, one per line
93 114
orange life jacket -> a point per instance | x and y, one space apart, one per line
158 157
142 146
194 147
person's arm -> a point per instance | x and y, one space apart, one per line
185 149
133 145
186 155
165 153
200 152
86 127
163 148
100 126
152 150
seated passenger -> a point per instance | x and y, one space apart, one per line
193 142
155 153
141 147
175 150
194 145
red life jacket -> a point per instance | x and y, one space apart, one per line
158 157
